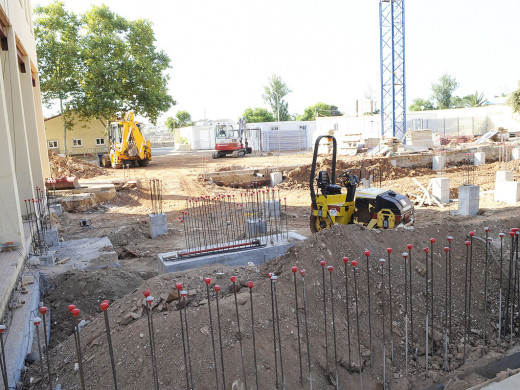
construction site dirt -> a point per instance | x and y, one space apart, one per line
125 221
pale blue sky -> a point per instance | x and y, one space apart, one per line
222 52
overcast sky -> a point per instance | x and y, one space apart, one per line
223 52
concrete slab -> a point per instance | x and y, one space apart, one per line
511 383
441 189
469 200
274 247
158 224
507 191
276 178
438 163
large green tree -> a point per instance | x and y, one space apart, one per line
319 109
514 100
419 104
258 114
117 66
274 94
443 91
183 118
58 50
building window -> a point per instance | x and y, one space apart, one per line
77 143
100 141
304 127
53 144
274 127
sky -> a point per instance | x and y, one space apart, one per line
223 52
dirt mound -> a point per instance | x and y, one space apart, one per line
71 166
130 329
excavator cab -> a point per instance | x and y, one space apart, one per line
372 207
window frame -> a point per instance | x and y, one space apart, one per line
80 143
57 142
100 143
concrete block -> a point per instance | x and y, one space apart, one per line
515 153
51 237
438 163
254 227
56 209
47 260
469 200
504 176
274 246
158 224
480 158
272 208
441 189
276 178
507 191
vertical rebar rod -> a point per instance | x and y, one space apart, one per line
354 267
36 322
427 310
233 280
471 234
367 254
512 235
486 273
410 247
331 269
75 313
467 243
149 301
302 273
345 262
432 241
104 306
389 251
500 287
406 347
217 289
446 300
450 239
294 270
43 311
178 286
184 294
250 285
274 278
323 263
382 262
208 282
270 275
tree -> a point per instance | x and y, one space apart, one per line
475 100
514 100
443 91
419 104
319 109
170 123
274 94
258 114
57 46
183 119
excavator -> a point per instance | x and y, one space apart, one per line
126 144
375 208
231 142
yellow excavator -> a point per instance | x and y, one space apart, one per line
126 144
375 208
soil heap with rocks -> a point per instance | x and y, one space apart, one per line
71 166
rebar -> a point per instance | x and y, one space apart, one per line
331 269
406 347
270 276
36 322
250 285
471 234
323 263
104 308
302 273
382 262
234 280
149 301
486 276
446 300
274 278
354 267
217 289
294 270
75 313
3 366
432 241
208 282
450 239
184 294
43 312
427 311
410 247
345 262
467 243
501 235
367 254
389 251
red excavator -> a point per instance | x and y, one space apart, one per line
230 141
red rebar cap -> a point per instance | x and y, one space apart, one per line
330 268
490 239
274 278
511 233
354 263
450 238
486 229
302 272
106 301
382 261
409 246
75 312
149 299
2 328
367 253
426 250
178 286
501 235
389 250
446 249
515 229
345 260
405 255
468 243
184 294
71 307
250 284
103 306
294 269
269 274
43 309
432 240
471 233
233 279
36 321
207 281
217 288
323 263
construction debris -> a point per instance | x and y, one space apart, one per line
71 166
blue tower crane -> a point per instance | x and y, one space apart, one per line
393 85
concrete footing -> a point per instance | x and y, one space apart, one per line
56 209
276 178
272 208
504 176
515 153
507 191
254 227
480 158
438 163
276 246
469 199
158 224
47 260
51 237
441 189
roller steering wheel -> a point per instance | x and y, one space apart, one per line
348 178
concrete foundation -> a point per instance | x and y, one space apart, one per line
47 260
272 208
255 227
438 163
469 200
480 158
171 262
158 224
276 178
515 153
504 176
507 191
56 209
441 189
51 237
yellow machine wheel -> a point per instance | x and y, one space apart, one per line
320 223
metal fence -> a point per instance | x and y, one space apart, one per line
459 126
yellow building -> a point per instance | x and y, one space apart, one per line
85 137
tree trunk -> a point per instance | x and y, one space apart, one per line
64 128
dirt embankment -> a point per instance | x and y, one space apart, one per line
71 166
